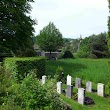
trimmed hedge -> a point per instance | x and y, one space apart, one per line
20 67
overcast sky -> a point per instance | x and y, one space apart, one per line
72 17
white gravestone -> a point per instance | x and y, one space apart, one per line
100 89
59 87
78 83
81 95
69 80
43 79
89 86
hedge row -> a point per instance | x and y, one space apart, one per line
20 67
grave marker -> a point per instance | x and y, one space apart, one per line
78 83
89 86
69 80
81 95
43 79
100 89
69 91
59 87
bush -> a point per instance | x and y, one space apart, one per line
20 67
6 81
68 54
59 74
29 53
82 54
30 94
92 56
60 55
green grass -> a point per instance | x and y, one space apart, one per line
95 70
100 103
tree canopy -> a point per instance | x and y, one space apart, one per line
16 28
94 44
50 39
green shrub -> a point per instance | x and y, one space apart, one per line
20 67
68 54
29 53
82 54
92 56
60 55
59 74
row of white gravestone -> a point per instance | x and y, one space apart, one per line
81 91
78 83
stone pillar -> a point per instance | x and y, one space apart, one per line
43 79
81 95
69 91
59 87
100 89
89 86
69 80
78 83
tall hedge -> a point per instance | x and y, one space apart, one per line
20 67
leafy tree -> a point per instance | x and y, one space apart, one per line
15 26
50 39
108 35
95 45
98 45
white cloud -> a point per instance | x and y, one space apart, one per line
72 17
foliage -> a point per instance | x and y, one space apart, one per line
59 74
15 26
30 94
50 38
5 82
60 55
94 44
93 56
82 54
84 46
29 53
7 90
20 67
68 54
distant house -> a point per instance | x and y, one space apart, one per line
54 55
39 52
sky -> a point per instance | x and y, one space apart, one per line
72 17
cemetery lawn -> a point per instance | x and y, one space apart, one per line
95 70
100 103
